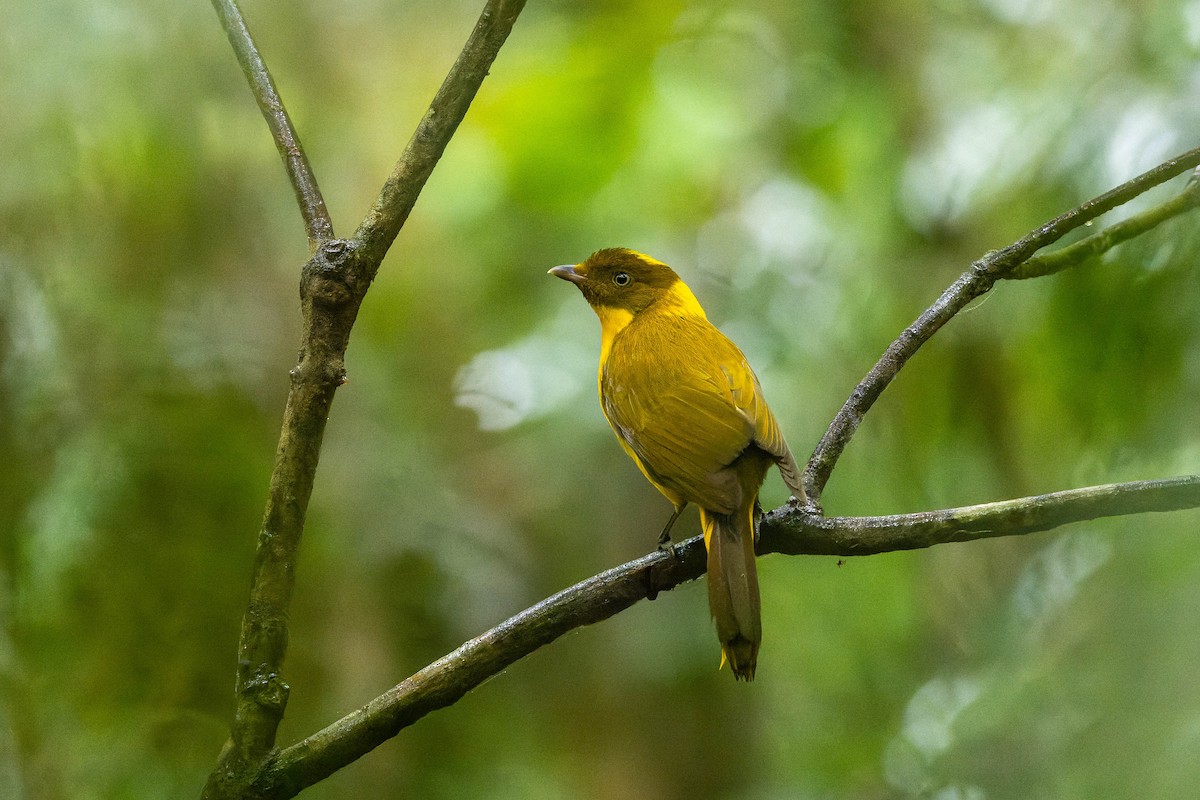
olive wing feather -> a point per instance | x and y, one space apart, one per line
682 398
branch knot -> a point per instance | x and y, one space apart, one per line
267 690
328 277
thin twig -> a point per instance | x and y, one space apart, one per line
317 224
785 530
396 199
1074 254
976 281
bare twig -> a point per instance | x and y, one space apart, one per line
785 530
976 281
329 308
317 223
1075 254
381 224
791 531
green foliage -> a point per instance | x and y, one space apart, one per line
817 172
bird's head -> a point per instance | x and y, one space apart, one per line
617 279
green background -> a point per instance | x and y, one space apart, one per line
816 171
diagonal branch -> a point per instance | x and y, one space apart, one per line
1075 254
317 223
396 199
445 681
786 530
976 281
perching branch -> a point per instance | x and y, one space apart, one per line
976 281
791 531
317 223
786 530
332 287
443 682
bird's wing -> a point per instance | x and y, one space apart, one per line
686 404
748 399
769 437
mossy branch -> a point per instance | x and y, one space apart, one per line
791 531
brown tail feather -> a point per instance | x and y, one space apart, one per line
733 587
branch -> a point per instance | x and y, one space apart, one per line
976 281
1075 254
383 222
791 531
329 307
445 681
332 287
317 223
786 530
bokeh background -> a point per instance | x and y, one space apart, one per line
818 172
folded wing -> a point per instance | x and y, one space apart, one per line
705 409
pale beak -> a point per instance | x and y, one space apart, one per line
567 273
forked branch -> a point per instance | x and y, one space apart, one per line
1089 247
976 281
332 287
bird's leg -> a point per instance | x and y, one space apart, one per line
664 538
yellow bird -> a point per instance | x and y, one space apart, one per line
689 411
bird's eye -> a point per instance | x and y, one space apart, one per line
622 279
